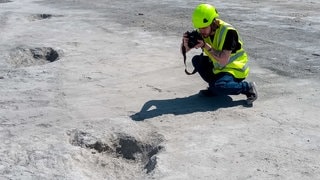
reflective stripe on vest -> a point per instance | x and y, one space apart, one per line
231 59
222 31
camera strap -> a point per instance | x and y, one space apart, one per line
183 50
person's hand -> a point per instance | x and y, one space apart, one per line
200 44
185 41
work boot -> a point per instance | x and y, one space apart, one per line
252 95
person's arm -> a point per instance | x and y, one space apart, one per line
221 56
231 44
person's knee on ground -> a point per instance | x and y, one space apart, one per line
219 88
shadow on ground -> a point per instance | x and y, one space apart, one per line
186 105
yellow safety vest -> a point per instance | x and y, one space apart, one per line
237 64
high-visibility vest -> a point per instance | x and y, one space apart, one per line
238 61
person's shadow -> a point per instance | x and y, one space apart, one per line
186 105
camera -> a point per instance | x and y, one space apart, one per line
193 36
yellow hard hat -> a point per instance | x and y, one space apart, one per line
203 15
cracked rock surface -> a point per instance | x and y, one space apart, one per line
96 90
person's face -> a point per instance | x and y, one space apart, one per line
205 32
210 30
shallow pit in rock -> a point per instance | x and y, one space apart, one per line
26 56
35 17
40 16
122 146
5 1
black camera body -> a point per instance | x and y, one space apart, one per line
193 36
